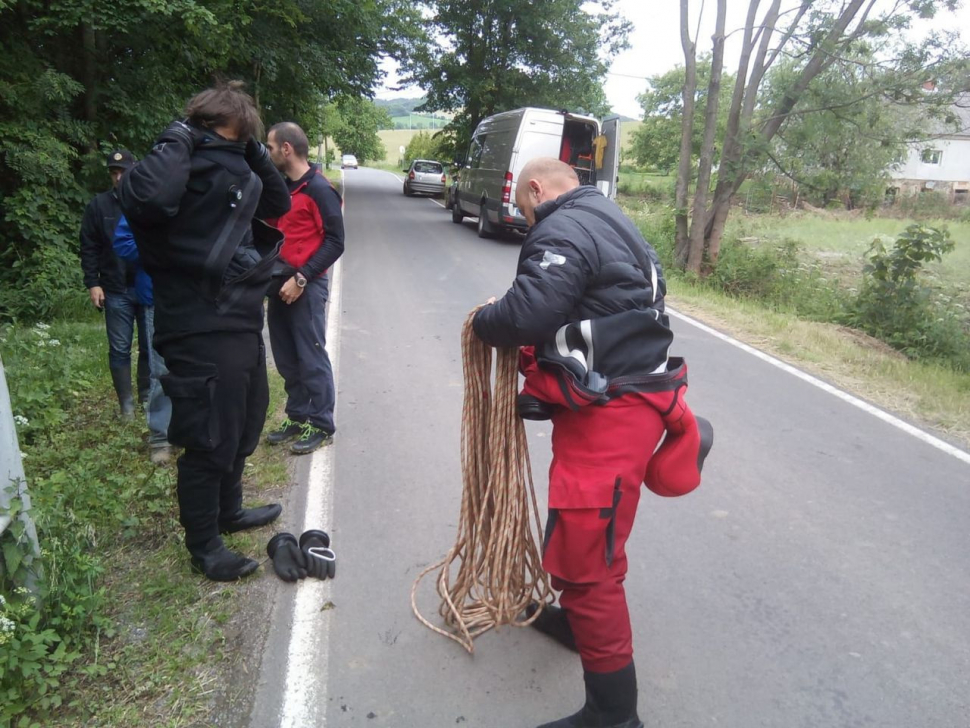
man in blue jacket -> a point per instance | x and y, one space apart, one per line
196 204
110 283
159 407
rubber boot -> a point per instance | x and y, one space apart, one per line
121 378
218 563
554 623
611 702
246 518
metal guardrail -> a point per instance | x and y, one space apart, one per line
12 474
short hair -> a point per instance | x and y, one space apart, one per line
226 104
551 171
288 132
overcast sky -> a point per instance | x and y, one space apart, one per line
655 45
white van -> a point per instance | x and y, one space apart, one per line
501 146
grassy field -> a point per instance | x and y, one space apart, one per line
843 238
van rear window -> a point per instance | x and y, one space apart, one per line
427 167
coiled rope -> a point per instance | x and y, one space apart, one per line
497 555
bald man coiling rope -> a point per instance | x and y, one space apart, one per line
587 309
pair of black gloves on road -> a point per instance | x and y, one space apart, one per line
310 556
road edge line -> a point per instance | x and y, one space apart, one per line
308 654
830 389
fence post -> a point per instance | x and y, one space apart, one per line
13 484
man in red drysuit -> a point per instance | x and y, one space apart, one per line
587 308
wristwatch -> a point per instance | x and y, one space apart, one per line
300 280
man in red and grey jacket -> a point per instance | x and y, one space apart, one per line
314 231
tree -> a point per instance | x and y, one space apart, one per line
817 35
844 151
357 133
80 78
656 142
425 146
494 56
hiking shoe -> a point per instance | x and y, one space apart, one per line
287 430
310 439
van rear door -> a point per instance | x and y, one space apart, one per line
608 157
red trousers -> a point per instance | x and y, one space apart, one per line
600 456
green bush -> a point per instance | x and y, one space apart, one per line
425 146
897 304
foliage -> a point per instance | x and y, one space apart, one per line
82 504
825 40
45 374
492 57
73 80
896 304
425 146
843 151
357 132
656 142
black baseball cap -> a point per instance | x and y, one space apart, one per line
121 159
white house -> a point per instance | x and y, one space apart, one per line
940 164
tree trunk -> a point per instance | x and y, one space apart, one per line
695 256
89 66
682 245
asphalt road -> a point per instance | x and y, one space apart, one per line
818 577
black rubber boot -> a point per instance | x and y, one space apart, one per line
611 702
218 563
246 518
121 378
554 623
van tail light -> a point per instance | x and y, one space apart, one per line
411 175
507 189
443 179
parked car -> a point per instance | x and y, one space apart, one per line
425 176
348 161
501 146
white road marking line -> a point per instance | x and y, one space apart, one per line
304 702
825 387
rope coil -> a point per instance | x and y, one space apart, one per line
499 564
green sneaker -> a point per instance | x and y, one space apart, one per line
287 430
310 439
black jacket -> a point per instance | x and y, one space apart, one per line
196 208
589 291
100 265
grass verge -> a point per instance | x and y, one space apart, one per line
930 394
133 636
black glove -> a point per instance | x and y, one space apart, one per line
256 153
181 133
321 561
289 561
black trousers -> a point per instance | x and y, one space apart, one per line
217 384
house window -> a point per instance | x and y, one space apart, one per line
931 156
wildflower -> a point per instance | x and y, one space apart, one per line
42 326
21 420
23 455
3 600
54 342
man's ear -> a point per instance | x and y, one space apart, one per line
536 188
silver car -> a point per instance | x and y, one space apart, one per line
425 176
